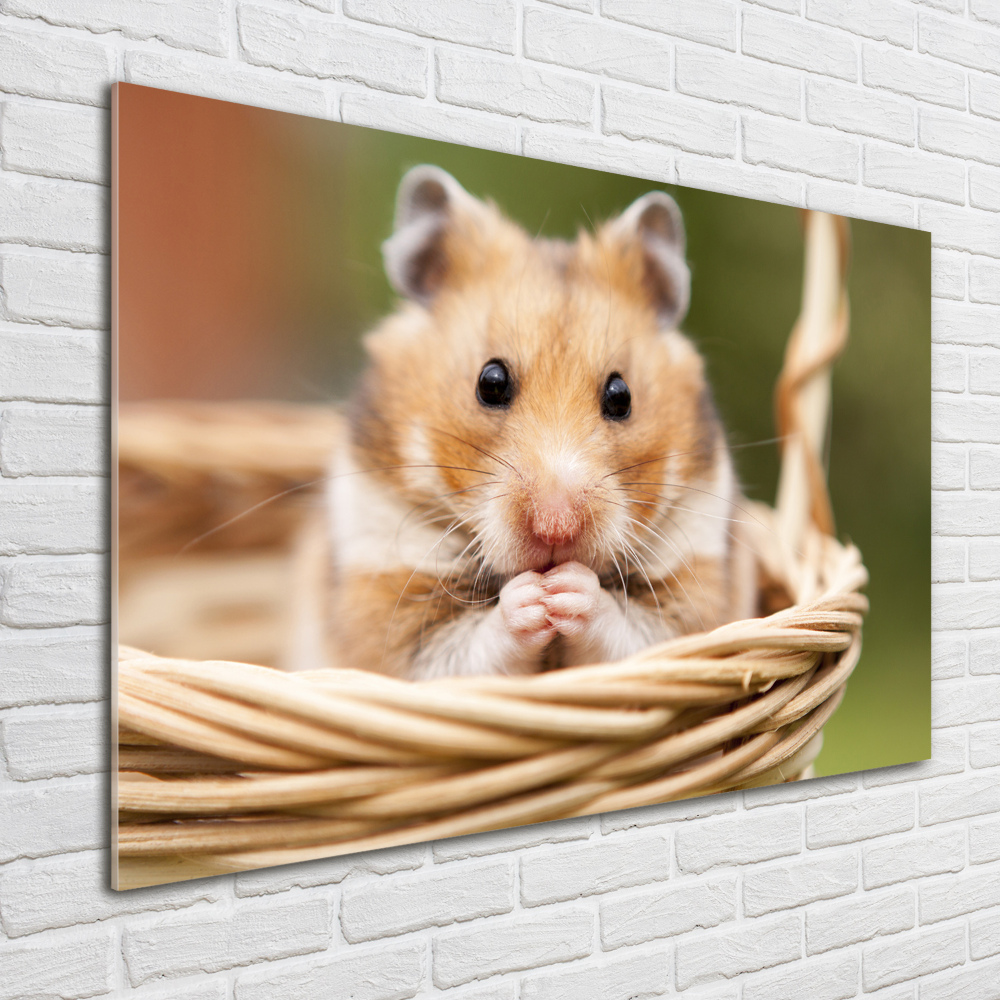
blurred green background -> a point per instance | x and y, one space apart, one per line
322 197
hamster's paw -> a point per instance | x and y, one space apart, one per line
523 612
574 602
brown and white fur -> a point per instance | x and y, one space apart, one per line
467 539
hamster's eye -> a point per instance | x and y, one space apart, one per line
495 386
616 403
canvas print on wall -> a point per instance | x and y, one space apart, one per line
457 490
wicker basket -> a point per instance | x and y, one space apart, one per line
226 766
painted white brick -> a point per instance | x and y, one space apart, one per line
948 757
64 742
54 66
265 881
59 367
950 896
60 289
855 109
625 978
549 874
798 791
984 372
961 229
670 812
759 944
61 892
984 561
321 47
584 149
53 140
880 20
732 80
947 467
975 982
63 215
53 518
900 859
858 203
799 147
859 918
728 177
406 115
782 886
819 979
974 601
583 5
205 76
984 653
679 122
512 944
959 135
984 281
512 88
51 667
952 6
788 6
984 95
488 24
978 411
667 910
427 899
596 47
960 42
208 941
985 10
947 277
194 24
859 817
958 799
738 839
713 22
984 187
961 324
903 73
984 746
984 842
984 935
496 841
947 560
984 468
51 817
70 965
948 369
799 44
914 173
911 955
38 593
53 440
382 973
960 702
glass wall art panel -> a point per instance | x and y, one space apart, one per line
457 490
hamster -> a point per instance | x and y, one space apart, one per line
533 474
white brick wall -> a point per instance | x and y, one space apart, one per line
885 884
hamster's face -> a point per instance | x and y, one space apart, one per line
535 398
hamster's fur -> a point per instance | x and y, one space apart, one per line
533 474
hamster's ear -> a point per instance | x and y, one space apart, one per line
653 224
427 205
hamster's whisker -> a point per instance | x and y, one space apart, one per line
237 517
672 545
482 451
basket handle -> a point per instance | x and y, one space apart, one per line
802 394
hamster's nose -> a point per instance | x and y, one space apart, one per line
556 520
